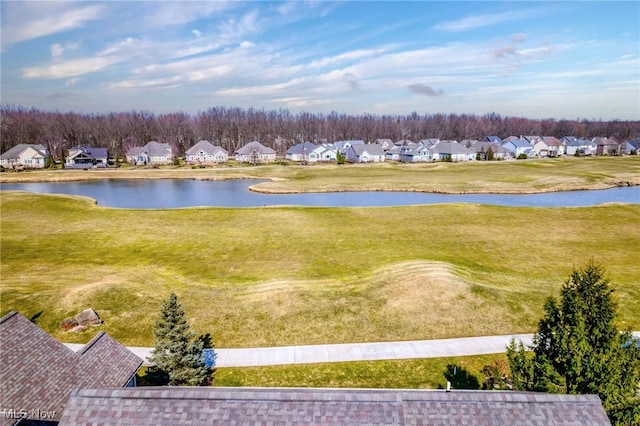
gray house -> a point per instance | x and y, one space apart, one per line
255 153
153 152
86 157
38 373
204 152
369 153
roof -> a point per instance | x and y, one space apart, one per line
15 152
551 141
301 148
156 149
371 149
255 146
447 147
40 372
206 147
91 151
213 405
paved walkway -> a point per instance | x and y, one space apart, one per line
311 354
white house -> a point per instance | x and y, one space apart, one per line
204 152
305 151
254 152
451 151
31 156
370 153
153 152
518 147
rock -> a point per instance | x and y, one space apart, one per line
88 317
68 324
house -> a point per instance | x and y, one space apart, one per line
393 154
298 406
492 138
305 151
451 151
606 146
153 152
369 153
518 147
326 152
386 144
575 146
255 153
86 157
482 148
204 152
532 139
630 147
38 373
30 156
468 143
343 146
548 146
415 153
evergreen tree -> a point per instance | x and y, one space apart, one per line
578 350
177 352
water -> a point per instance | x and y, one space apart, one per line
178 193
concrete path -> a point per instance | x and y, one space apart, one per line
311 354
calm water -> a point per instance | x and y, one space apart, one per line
176 193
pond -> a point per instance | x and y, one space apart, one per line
178 193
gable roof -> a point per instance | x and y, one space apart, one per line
371 149
156 149
213 405
15 152
302 148
40 372
90 151
206 147
254 146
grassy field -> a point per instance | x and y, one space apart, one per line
295 275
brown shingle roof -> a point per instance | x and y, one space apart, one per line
202 406
38 372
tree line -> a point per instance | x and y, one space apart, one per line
232 127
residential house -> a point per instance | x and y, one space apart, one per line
483 148
204 152
415 153
86 157
548 146
518 147
468 143
606 146
369 153
297 406
343 146
532 139
451 151
492 138
305 152
510 139
255 153
575 146
30 156
429 142
38 373
630 147
386 144
153 152
393 154
404 142
326 152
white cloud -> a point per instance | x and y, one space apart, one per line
69 68
478 21
24 21
196 33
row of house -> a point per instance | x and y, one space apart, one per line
354 151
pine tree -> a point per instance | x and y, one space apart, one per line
177 352
578 349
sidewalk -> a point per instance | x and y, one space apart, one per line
310 354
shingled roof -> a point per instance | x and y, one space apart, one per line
205 406
38 373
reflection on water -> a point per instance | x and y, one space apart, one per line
176 193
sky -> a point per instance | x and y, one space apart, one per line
561 60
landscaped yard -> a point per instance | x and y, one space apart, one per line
294 275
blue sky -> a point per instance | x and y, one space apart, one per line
531 59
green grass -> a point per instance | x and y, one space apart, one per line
398 374
294 275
